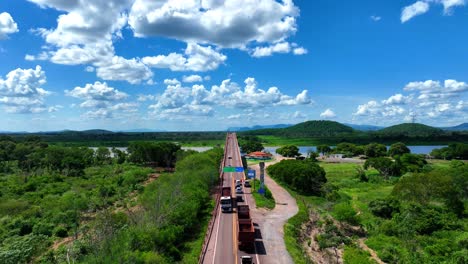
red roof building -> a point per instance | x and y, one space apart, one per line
259 155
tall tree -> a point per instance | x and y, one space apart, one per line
398 148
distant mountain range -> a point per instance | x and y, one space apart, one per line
461 127
239 129
364 127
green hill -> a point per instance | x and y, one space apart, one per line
411 130
316 128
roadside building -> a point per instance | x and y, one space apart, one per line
258 155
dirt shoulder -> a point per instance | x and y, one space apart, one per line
271 222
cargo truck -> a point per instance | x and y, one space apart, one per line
246 236
227 201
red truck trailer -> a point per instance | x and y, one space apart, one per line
246 236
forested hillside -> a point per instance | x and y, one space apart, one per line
411 130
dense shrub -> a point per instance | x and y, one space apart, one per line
345 212
304 176
384 207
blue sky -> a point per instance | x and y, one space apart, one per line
213 64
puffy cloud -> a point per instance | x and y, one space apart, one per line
102 99
84 35
144 98
375 18
197 58
428 100
192 78
280 47
418 8
178 100
434 89
21 91
328 113
97 92
7 25
121 69
229 23
367 108
421 7
300 51
397 99
450 4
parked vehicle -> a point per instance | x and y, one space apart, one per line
247 183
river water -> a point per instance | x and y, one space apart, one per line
304 149
414 149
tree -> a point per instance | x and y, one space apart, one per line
288 151
103 156
398 148
411 162
119 155
385 166
304 176
374 150
251 146
324 149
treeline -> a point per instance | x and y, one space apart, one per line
174 210
453 151
119 139
33 156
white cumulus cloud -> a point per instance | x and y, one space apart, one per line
22 92
192 78
196 58
423 6
327 114
228 23
7 25
418 8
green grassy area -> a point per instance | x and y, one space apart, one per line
262 201
352 196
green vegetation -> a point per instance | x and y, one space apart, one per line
410 129
52 192
263 201
250 144
304 176
418 218
308 133
163 230
288 151
453 151
333 133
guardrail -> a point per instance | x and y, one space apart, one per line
214 213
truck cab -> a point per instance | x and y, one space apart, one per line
226 203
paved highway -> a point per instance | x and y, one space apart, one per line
222 247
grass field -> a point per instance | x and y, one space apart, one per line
355 195
263 201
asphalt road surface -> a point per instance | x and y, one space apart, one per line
223 247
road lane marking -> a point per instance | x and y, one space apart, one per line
217 233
